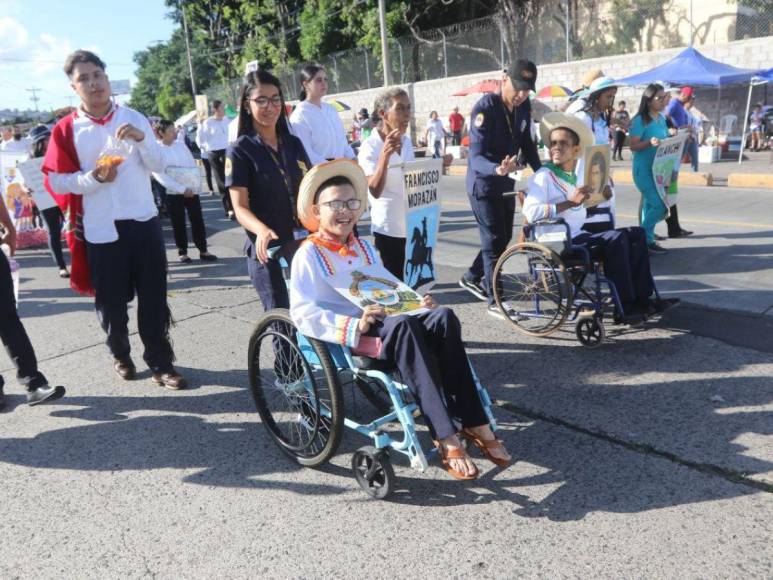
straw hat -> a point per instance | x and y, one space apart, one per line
318 175
553 121
591 76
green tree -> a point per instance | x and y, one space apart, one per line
163 78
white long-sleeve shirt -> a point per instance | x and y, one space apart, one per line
176 155
129 197
315 307
545 192
387 213
321 131
213 134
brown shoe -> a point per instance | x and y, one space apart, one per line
125 369
171 380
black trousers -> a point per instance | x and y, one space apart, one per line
54 219
626 262
392 252
15 340
429 354
495 216
457 138
135 264
208 172
217 160
617 151
178 205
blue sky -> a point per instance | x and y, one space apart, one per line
44 32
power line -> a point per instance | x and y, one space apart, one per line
34 98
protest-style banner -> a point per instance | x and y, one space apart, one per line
665 167
421 179
596 164
202 108
8 175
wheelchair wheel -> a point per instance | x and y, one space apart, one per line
590 331
300 404
373 472
531 289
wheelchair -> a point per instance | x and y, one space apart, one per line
546 281
297 385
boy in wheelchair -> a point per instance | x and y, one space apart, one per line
554 193
425 348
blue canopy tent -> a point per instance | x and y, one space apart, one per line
690 67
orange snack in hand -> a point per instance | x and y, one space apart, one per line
109 161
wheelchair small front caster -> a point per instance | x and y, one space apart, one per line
373 471
590 332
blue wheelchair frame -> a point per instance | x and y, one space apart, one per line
402 410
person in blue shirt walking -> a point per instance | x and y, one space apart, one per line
500 130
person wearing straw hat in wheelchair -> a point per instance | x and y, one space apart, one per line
556 192
426 347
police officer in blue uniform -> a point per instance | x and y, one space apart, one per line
499 132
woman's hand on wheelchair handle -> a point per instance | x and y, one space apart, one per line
370 315
264 237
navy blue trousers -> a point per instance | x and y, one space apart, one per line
14 337
495 216
135 264
626 262
267 280
429 354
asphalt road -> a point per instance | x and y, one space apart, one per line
649 457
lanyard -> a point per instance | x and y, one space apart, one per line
280 165
509 123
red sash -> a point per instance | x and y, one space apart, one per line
62 157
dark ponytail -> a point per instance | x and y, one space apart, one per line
308 72
252 81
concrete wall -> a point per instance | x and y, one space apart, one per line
427 96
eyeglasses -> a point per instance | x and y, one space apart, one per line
658 97
339 204
263 102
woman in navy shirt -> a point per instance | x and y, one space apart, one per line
264 169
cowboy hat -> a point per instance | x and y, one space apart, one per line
602 84
318 175
553 121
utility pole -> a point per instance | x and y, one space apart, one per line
384 47
188 50
35 98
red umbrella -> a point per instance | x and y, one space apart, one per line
487 86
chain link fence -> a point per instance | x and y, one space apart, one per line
556 31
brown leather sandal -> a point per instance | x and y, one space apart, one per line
446 455
485 445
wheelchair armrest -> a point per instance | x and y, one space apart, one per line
565 237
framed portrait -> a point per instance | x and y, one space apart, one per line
596 164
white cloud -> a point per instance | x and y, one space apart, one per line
33 62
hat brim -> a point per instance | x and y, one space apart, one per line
553 121
520 84
318 175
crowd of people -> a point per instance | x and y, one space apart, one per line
296 186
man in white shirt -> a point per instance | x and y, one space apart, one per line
213 138
107 192
13 142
